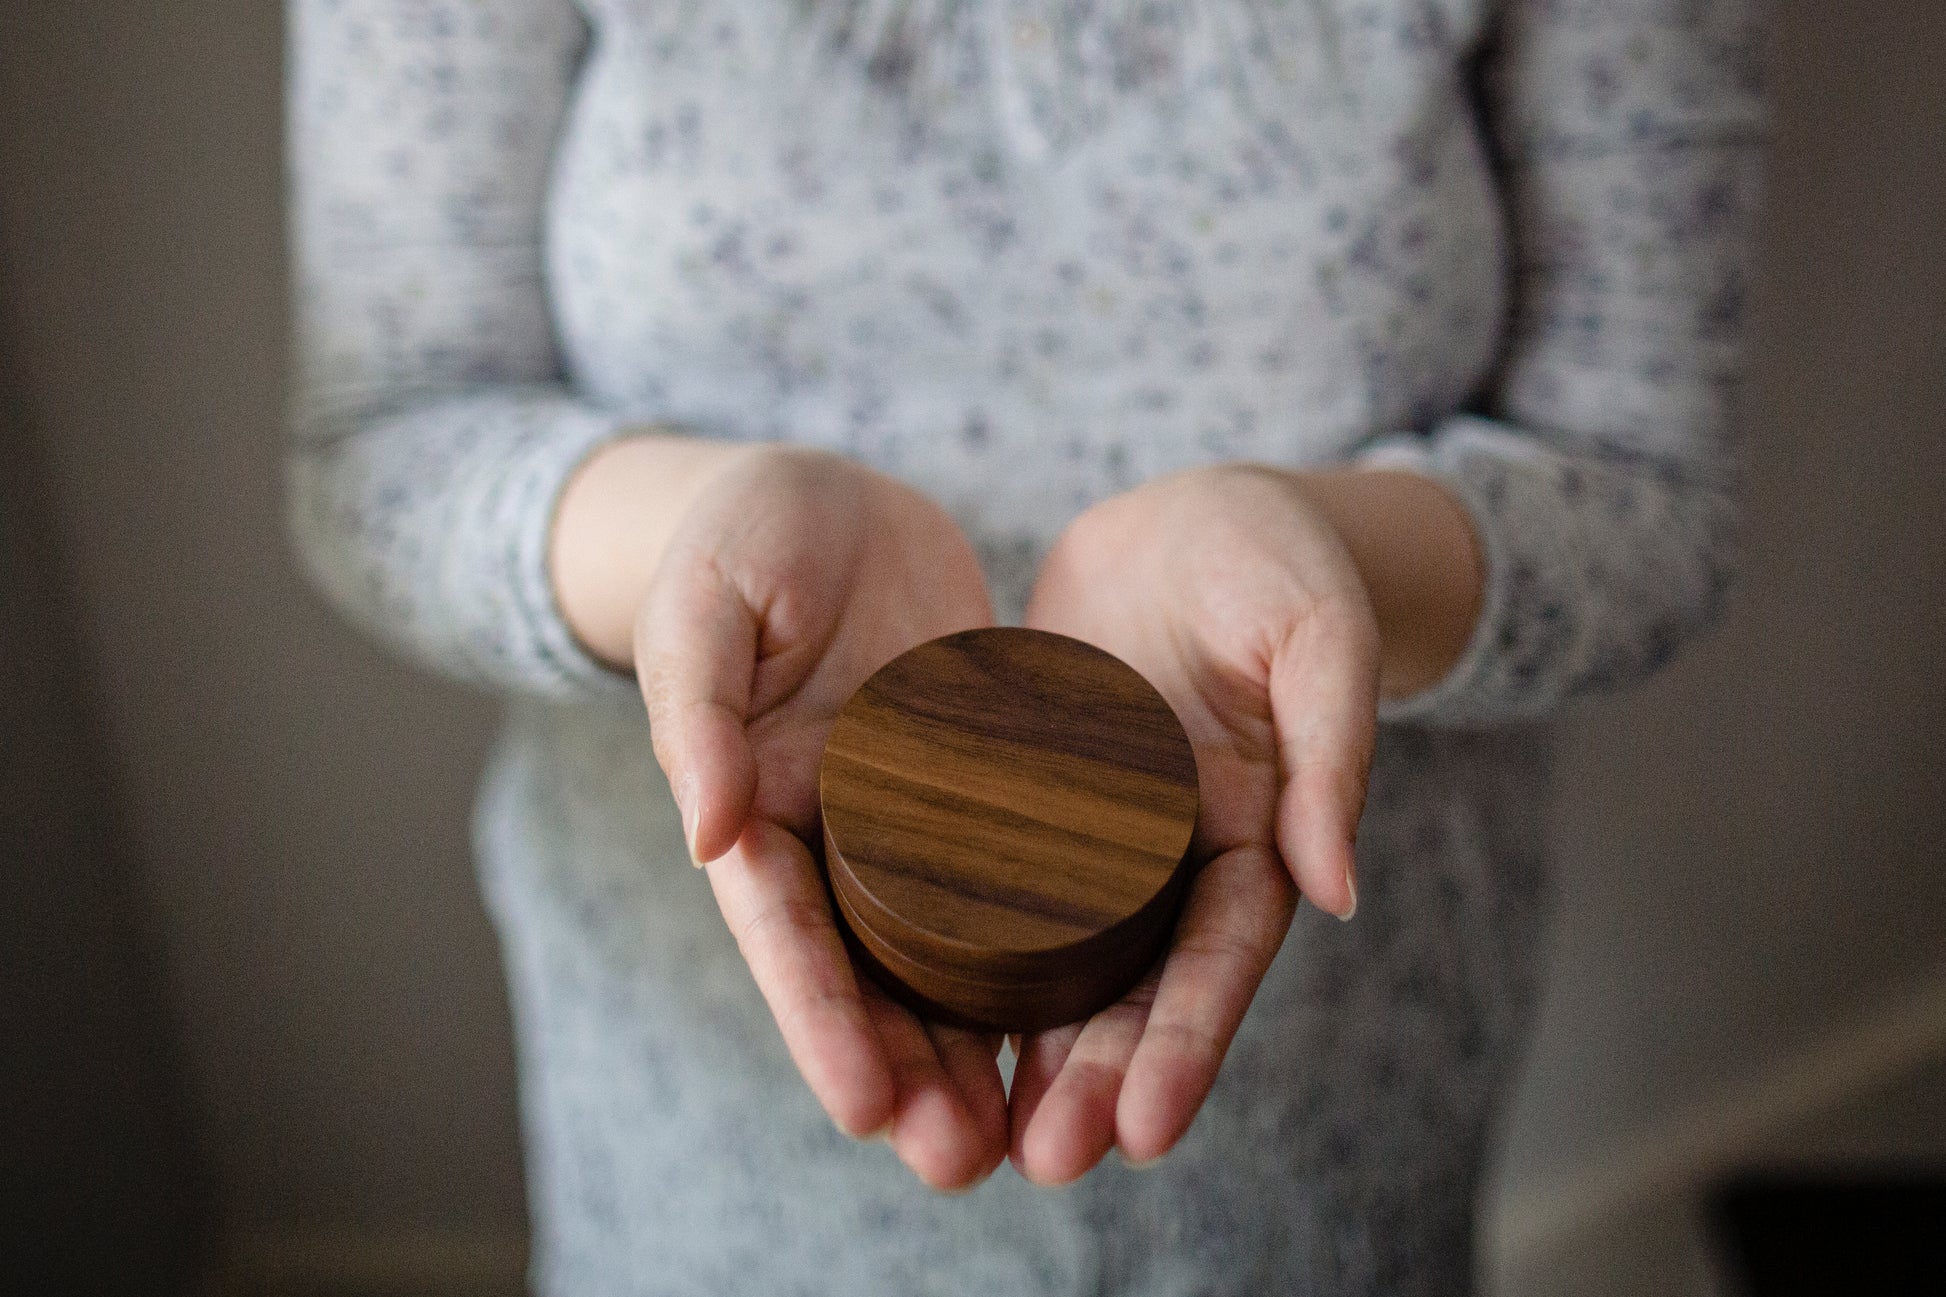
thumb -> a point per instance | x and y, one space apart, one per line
1324 708
695 660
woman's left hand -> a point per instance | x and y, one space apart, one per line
1234 594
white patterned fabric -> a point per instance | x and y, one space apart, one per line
1022 254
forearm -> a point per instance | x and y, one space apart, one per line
1410 539
425 521
1597 468
1414 545
612 524
432 426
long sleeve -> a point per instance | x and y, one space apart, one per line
432 431
1601 477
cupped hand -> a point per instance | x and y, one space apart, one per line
792 577
1237 599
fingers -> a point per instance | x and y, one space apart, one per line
768 889
695 656
1037 1061
949 1121
1134 1076
972 1060
1236 917
1067 1123
1324 704
934 1091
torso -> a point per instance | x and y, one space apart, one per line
1031 268
1025 260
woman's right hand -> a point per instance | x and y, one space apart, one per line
792 575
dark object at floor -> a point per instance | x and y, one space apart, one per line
1862 1236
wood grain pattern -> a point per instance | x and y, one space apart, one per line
1006 814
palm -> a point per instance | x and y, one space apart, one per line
786 590
805 674
1221 590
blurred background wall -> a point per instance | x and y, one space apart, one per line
100 1190
1752 947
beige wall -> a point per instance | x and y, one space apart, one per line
1756 844
1753 847
298 802
99 1190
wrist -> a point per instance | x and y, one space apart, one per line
1415 549
613 522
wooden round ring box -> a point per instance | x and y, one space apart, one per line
1007 815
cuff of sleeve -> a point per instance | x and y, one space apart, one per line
517 508
1469 457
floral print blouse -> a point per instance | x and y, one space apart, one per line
1024 254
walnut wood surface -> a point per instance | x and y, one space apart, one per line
1006 815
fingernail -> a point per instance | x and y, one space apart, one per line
1351 889
686 802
